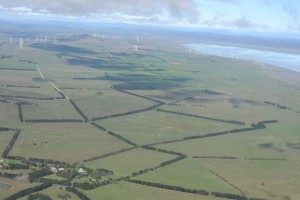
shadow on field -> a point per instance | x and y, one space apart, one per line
61 48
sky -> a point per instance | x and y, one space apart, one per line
257 15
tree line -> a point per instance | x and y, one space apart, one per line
202 117
24 97
53 120
63 96
109 154
77 193
169 187
115 135
259 125
22 86
226 181
20 112
141 96
86 119
11 143
127 113
28 191
17 69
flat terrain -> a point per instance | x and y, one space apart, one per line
154 123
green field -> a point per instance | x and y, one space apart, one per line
65 142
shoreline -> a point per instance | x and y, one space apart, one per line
270 58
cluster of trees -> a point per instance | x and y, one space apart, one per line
77 193
38 196
11 143
127 113
17 166
35 176
86 119
170 187
9 175
203 117
108 154
28 191
53 120
20 112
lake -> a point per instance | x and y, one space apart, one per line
283 60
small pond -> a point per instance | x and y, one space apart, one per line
4 186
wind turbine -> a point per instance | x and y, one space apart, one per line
10 40
232 56
137 39
21 43
135 47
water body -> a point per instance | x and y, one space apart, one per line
283 60
4 186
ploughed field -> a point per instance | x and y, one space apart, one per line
92 118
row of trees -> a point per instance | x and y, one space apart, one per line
259 125
127 113
141 96
20 112
77 193
226 181
174 103
53 120
17 69
86 119
115 135
170 187
61 94
278 105
11 143
22 86
28 191
24 97
216 157
122 138
109 154
203 117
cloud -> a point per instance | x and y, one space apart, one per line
228 1
292 11
174 9
241 23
